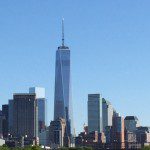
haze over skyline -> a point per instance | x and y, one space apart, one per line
110 52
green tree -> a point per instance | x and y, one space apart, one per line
27 148
64 148
32 148
76 148
4 147
87 148
36 148
146 148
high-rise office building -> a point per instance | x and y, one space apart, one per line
107 113
62 96
118 136
41 101
10 114
94 112
143 135
1 124
5 109
131 123
25 115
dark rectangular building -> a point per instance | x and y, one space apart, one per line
10 114
5 113
25 115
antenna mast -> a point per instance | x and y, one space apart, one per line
63 38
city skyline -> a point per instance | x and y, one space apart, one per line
110 53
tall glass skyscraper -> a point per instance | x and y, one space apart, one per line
40 97
62 96
107 113
94 112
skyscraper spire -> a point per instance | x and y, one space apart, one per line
63 32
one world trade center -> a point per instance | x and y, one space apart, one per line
62 96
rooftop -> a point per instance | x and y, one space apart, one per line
106 101
63 47
131 118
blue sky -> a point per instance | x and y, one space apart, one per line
110 51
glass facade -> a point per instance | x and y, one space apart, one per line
107 113
62 98
131 123
41 113
40 96
39 91
94 112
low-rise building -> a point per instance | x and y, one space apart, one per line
143 135
44 137
57 133
91 139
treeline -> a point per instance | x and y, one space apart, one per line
5 147
76 148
